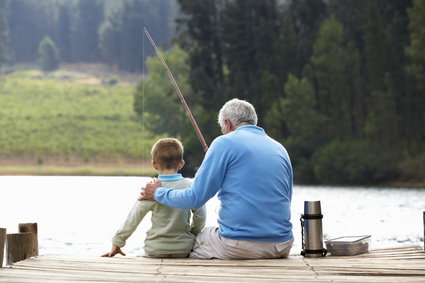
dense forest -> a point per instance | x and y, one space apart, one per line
341 83
84 31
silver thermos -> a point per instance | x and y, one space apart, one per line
311 230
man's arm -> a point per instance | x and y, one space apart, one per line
184 199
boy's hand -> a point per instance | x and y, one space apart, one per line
115 250
148 191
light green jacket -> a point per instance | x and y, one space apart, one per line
172 230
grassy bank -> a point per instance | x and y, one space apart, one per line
69 116
92 169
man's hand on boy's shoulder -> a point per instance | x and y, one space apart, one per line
148 191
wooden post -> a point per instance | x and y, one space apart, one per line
22 245
31 228
2 242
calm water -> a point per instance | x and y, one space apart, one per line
79 215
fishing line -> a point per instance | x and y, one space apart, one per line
176 87
143 97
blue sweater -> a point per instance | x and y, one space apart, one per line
252 175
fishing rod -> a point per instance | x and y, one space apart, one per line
173 81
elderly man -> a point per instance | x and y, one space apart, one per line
252 175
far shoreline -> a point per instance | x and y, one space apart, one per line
76 171
142 170
109 168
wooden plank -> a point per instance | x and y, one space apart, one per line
374 267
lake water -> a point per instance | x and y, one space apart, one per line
79 215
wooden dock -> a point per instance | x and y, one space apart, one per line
406 264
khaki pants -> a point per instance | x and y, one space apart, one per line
209 244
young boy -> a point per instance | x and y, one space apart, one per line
171 235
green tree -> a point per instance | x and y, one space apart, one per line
306 17
349 162
109 37
350 14
356 104
385 38
48 55
158 105
335 69
289 56
414 101
156 97
85 37
64 32
416 49
382 125
201 34
28 22
288 52
299 108
4 34
250 35
305 124
121 34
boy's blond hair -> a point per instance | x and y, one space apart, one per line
167 153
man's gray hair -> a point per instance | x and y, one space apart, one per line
238 112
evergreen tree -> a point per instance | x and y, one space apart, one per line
306 17
299 108
64 32
385 37
121 35
157 102
85 37
288 54
48 55
4 34
250 33
200 28
28 22
336 73
297 30
413 103
382 124
157 97
350 14
201 34
416 49
131 36
307 126
109 37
